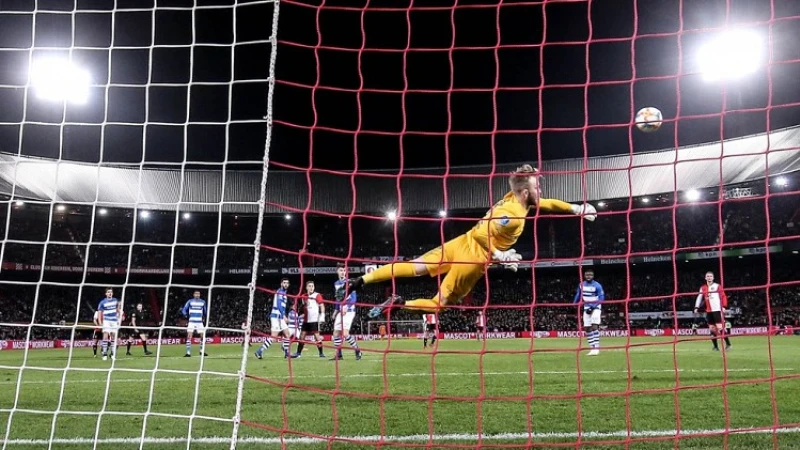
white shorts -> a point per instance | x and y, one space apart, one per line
195 327
343 321
591 319
110 327
277 325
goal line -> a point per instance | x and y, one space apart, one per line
375 439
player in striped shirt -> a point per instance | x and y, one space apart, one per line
195 311
277 321
428 329
110 310
344 313
313 311
590 294
295 323
715 301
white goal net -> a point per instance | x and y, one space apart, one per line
132 180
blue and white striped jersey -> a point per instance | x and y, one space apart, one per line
347 304
108 308
195 310
293 320
278 304
591 292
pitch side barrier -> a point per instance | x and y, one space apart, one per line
18 344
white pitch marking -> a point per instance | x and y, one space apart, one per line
589 435
394 375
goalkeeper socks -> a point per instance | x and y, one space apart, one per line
389 271
352 341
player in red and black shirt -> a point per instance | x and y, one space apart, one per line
139 318
715 301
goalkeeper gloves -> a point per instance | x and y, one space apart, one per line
586 210
509 259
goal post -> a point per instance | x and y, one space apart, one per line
121 166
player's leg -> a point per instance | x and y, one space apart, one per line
319 340
724 334
96 338
128 344
286 339
425 337
104 344
712 321
337 336
593 331
143 336
432 263
275 326
189 334
301 341
432 332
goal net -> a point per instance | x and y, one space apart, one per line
140 151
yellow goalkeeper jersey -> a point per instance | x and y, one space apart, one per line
500 227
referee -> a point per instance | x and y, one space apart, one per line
140 317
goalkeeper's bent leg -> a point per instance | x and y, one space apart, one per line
430 306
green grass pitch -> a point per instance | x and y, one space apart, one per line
505 397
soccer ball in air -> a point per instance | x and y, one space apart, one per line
648 119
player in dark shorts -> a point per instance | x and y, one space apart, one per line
97 331
139 318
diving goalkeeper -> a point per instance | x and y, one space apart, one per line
465 258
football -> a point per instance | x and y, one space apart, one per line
648 119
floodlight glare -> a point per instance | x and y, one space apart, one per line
645 200
187 216
391 215
287 216
144 214
19 203
442 213
61 208
58 79
730 55
601 204
102 211
782 181
693 195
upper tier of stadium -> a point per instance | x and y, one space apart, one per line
457 188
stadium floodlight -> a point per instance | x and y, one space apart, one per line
61 208
58 79
693 195
187 216
782 181
645 200
391 215
601 204
144 214
19 203
102 211
442 213
730 55
287 216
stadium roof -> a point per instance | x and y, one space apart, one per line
708 165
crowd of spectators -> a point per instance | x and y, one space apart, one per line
515 301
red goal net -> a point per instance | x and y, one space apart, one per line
396 125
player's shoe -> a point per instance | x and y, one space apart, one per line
148 353
295 356
391 301
105 358
188 355
128 354
716 349
338 357
358 355
727 347
285 355
258 355
593 352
